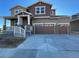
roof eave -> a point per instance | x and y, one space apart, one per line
38 2
16 6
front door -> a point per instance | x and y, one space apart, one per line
25 21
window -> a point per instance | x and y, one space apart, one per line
15 22
18 11
40 10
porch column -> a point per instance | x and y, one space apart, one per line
18 23
4 24
28 19
19 20
12 23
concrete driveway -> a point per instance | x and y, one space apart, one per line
46 46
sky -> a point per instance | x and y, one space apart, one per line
63 7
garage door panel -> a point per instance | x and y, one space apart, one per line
62 29
51 28
44 29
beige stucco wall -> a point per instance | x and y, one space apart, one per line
52 20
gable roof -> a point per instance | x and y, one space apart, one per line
17 6
31 5
40 2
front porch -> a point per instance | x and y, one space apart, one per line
18 23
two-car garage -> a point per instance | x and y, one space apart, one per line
51 28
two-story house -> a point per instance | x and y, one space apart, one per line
41 17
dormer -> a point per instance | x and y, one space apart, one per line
40 9
17 9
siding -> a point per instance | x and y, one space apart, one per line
59 20
18 7
75 25
48 9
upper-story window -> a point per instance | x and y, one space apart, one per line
18 11
40 10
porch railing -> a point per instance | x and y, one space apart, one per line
20 32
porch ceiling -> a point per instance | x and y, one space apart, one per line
10 17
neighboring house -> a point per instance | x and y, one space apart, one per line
41 17
75 23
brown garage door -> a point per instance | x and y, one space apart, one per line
44 28
62 29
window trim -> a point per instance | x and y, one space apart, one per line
18 10
40 10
